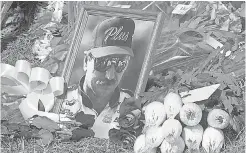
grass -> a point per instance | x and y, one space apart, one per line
86 145
236 145
21 48
95 145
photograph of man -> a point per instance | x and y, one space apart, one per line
98 92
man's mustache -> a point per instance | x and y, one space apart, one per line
106 82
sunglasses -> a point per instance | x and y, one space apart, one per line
102 64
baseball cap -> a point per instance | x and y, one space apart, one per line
113 36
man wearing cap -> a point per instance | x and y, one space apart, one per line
98 93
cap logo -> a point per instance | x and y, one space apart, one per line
116 34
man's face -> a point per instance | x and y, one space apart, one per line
104 74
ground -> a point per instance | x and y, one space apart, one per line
95 145
21 48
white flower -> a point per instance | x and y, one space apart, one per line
213 140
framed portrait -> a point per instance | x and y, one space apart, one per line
148 26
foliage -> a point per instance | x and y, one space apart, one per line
43 129
15 20
45 123
186 61
59 43
183 35
19 49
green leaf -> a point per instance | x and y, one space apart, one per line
87 120
52 28
60 68
191 37
213 14
237 4
45 19
45 123
148 97
15 116
229 81
173 25
128 120
128 105
240 107
241 118
226 101
184 25
13 102
26 134
39 33
201 8
24 127
242 10
236 124
224 34
13 127
46 137
4 112
60 55
62 47
52 68
195 23
80 133
65 135
205 77
35 26
4 130
239 56
204 46
48 61
55 41
234 101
